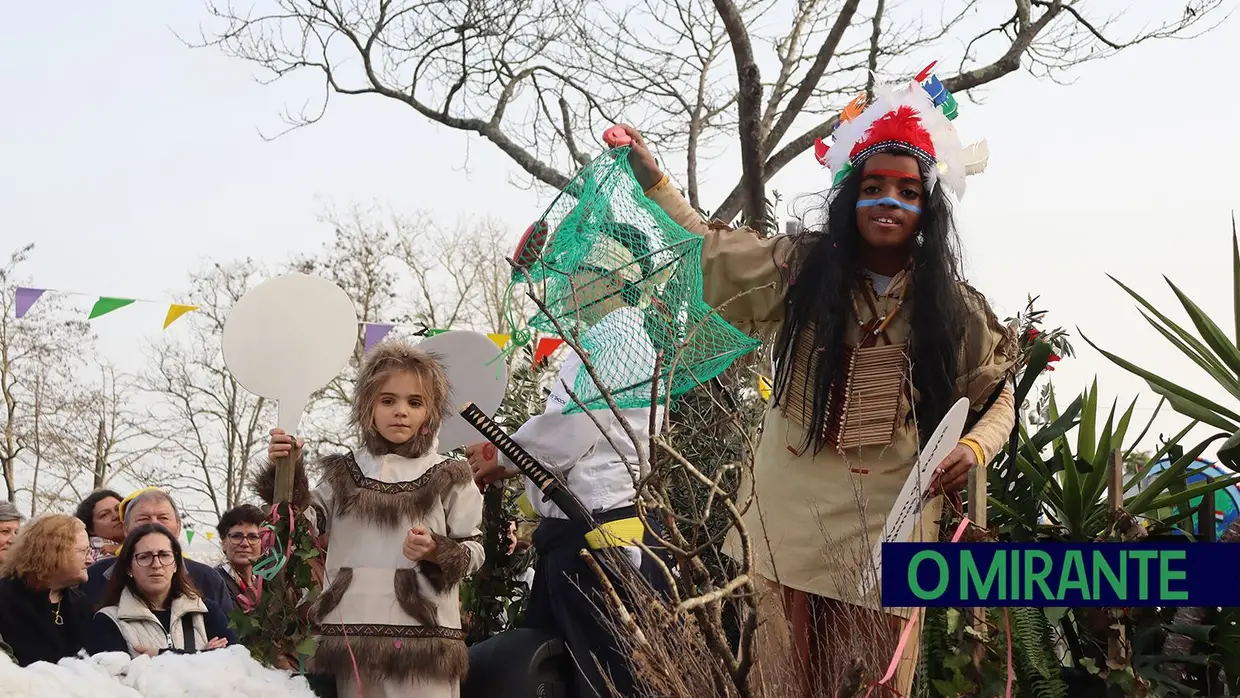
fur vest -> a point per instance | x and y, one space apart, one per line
140 627
400 620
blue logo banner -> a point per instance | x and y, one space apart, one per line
1177 573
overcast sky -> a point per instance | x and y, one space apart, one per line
129 159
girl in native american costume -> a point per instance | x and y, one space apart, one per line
877 336
403 524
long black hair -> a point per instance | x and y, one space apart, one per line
825 269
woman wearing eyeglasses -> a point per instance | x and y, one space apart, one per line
43 615
239 537
151 605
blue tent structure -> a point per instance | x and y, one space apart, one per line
1226 500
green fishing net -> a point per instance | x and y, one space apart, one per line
621 278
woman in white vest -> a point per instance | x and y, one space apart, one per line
151 605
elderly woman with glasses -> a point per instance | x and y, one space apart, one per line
151 605
43 616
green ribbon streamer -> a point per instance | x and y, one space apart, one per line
271 563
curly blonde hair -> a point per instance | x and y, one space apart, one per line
384 360
42 549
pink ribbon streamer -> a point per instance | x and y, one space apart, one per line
1007 628
912 623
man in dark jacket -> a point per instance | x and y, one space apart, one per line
153 505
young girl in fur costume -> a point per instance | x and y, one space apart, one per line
404 529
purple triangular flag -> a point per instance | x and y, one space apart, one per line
26 298
375 332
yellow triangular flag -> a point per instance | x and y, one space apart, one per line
210 535
175 311
499 339
764 388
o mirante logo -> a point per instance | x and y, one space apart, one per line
1061 574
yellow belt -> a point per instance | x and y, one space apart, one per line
613 534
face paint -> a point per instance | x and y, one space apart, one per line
888 201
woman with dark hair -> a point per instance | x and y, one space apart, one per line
877 335
151 605
43 615
100 511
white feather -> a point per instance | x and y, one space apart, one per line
976 157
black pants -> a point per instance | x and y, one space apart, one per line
567 600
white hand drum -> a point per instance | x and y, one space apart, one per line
288 337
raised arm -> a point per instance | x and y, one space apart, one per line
986 366
264 482
734 261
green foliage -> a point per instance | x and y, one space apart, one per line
273 617
493 599
1050 485
1210 348
1036 666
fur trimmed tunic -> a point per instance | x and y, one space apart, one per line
400 620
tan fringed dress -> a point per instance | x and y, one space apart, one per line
817 517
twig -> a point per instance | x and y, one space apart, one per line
716 595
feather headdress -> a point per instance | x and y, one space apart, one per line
914 119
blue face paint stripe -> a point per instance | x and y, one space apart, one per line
888 201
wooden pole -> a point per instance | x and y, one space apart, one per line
1119 650
283 598
1115 482
284 479
978 506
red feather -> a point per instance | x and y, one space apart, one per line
820 151
903 125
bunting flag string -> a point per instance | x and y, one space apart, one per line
372 332
375 332
26 297
105 305
546 347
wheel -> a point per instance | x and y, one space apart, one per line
520 663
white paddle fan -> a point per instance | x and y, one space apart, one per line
908 507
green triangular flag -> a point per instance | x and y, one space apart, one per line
432 332
105 305
189 535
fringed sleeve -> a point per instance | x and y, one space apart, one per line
458 552
987 363
734 261
319 499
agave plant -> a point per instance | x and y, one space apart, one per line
1210 348
1050 488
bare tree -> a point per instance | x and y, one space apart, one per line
540 79
211 427
102 436
83 435
38 355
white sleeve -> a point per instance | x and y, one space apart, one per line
559 440
463 515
